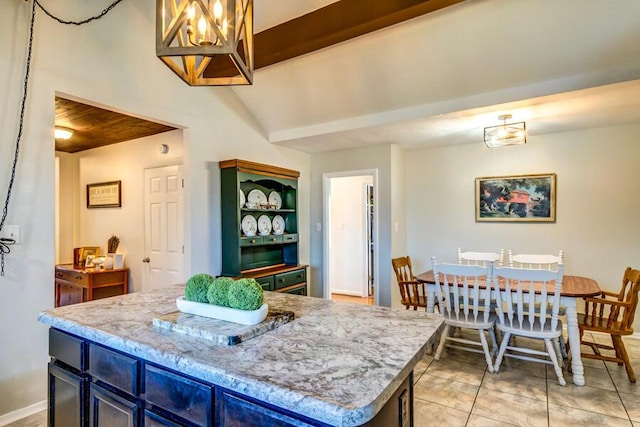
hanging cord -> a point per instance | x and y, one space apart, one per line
5 243
84 21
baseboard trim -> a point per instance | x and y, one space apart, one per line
346 292
14 416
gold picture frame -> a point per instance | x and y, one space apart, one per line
516 198
104 195
86 251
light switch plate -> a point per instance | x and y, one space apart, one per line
11 232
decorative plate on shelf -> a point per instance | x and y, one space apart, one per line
264 225
256 199
249 225
242 198
275 200
278 224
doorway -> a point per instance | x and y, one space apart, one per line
350 230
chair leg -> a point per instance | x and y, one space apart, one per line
556 347
443 339
503 347
619 345
554 360
494 341
485 347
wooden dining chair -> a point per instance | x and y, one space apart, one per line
465 293
413 294
612 314
516 290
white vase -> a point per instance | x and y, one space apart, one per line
118 260
108 262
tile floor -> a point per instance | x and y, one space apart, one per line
458 390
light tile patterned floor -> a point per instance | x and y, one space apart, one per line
458 390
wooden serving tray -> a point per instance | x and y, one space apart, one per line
219 331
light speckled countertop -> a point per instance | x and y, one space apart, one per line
336 362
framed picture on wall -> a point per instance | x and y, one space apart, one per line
104 195
517 198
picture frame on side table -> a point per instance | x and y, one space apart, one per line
104 195
516 198
88 251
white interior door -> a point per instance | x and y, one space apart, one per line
164 234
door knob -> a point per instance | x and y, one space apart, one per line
146 259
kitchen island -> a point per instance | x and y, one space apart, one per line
334 364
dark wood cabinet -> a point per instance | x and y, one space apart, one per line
119 389
246 252
74 285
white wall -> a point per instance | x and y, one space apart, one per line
367 158
597 223
98 62
348 261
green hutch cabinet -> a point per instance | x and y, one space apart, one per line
259 205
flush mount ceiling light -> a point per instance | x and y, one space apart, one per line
192 34
505 134
62 133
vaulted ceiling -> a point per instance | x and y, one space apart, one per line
435 72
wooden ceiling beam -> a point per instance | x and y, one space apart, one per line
332 24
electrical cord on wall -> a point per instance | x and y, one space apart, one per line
5 243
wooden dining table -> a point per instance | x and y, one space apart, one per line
573 289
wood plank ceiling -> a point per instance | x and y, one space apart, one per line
96 127
340 21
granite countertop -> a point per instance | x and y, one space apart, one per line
336 362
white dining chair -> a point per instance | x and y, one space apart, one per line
540 261
480 258
464 292
537 261
516 290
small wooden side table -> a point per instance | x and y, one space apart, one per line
75 285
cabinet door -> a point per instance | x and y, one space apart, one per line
151 419
109 410
302 290
67 396
69 294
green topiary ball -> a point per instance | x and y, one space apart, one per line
245 294
218 293
197 287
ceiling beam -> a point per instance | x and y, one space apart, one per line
332 24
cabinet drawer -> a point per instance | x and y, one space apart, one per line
115 369
236 411
284 280
67 349
250 241
181 396
289 238
266 282
301 290
271 239
72 276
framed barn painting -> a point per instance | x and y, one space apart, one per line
518 198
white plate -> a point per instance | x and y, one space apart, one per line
278 224
256 199
244 317
264 225
242 198
275 200
249 225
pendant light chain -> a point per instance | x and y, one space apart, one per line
5 243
